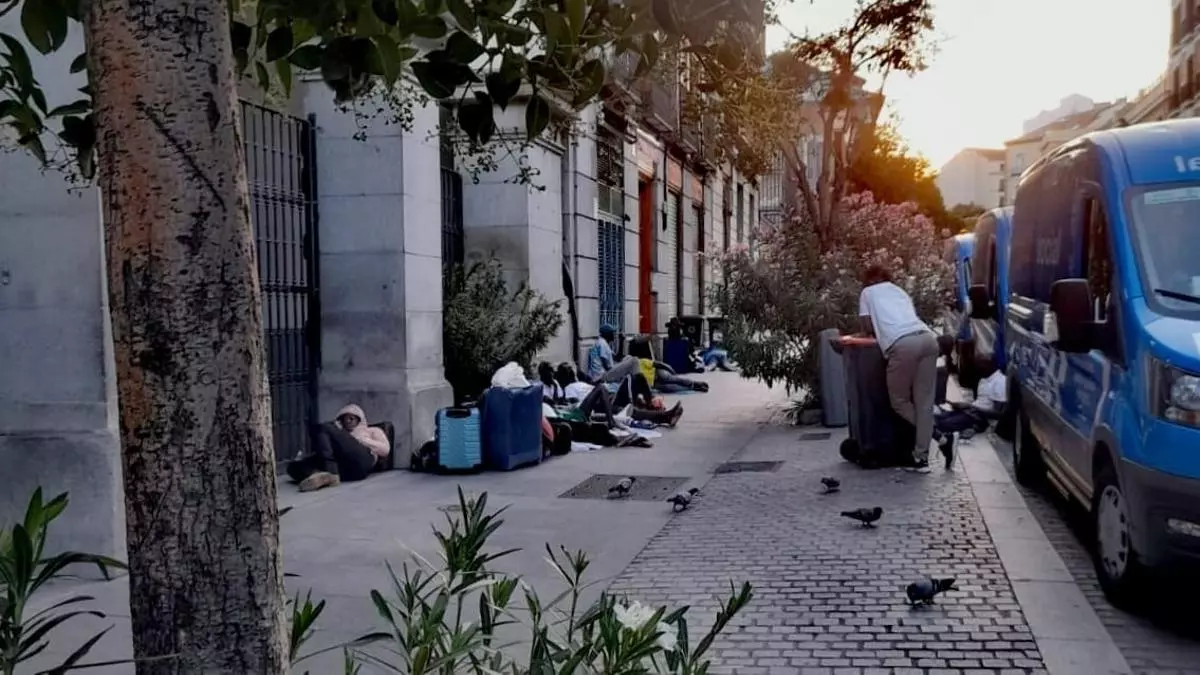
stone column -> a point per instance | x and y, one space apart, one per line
380 255
58 416
521 225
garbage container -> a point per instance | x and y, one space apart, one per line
716 329
693 329
878 436
832 382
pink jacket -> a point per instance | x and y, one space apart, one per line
372 437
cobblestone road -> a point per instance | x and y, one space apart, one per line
1165 638
828 594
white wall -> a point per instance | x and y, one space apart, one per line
971 178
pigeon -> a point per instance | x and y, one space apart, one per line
682 500
925 590
865 516
831 484
622 488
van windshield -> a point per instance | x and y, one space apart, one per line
1167 226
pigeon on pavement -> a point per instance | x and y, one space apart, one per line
865 516
925 590
831 484
622 487
681 500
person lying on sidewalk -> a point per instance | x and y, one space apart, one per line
663 378
589 400
346 449
911 350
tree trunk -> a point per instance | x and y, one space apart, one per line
206 578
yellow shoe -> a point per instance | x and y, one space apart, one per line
320 479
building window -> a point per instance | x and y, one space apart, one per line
610 173
741 214
611 264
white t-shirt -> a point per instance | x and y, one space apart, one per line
891 312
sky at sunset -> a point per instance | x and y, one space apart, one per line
1001 62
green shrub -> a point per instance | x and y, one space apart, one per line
428 630
486 325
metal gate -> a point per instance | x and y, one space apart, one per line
281 172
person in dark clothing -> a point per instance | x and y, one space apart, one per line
346 449
598 399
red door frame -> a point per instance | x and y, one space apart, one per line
645 255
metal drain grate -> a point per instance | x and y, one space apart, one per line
645 488
748 467
816 436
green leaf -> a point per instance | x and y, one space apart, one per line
502 88
264 78
386 10
79 64
477 119
78 654
279 43
283 68
576 15
462 13
241 34
79 107
463 48
440 79
307 57
429 27
45 24
591 81
18 61
537 117
433 7
390 59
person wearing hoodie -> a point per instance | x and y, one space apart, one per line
346 449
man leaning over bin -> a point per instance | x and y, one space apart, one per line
911 351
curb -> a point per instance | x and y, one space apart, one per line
1068 633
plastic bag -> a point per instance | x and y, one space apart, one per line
510 376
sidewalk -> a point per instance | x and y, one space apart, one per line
828 594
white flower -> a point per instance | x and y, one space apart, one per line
669 637
634 616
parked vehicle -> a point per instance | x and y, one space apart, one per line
980 350
957 252
1104 331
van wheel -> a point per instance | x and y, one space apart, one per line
1121 574
1027 454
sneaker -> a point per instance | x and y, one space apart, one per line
920 466
676 413
320 479
947 447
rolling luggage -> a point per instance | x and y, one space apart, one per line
512 427
878 436
459 444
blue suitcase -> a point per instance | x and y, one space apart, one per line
458 439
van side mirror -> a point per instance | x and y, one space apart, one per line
981 302
1072 315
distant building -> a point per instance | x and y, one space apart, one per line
1068 106
1183 62
973 176
1024 150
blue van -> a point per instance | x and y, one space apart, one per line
981 349
957 253
1104 340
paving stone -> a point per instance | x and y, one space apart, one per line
827 593
1164 638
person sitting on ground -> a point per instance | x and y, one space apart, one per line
346 449
911 351
601 368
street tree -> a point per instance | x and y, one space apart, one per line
815 90
886 167
157 126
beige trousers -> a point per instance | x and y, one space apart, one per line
912 384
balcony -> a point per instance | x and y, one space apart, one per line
660 103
